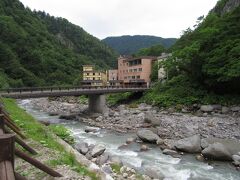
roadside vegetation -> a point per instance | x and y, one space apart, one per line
44 135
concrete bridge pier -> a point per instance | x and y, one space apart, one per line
97 103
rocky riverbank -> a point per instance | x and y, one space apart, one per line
214 121
210 134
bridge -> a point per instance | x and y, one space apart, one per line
96 94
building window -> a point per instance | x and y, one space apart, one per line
130 70
87 74
94 74
133 77
140 69
135 70
138 77
129 77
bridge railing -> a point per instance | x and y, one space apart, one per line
66 88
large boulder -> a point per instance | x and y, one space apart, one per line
170 152
206 108
98 150
147 136
235 109
236 160
103 159
191 144
82 148
149 118
233 146
91 129
217 151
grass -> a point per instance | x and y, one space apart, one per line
40 133
116 168
63 133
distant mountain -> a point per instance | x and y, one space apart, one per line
127 45
37 49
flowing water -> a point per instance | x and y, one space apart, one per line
186 168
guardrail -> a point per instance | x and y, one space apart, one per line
67 88
8 150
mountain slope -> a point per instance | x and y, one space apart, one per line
38 49
127 45
205 66
211 53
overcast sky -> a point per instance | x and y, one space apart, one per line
103 18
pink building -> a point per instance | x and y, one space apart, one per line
112 74
135 70
113 78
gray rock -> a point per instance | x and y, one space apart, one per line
170 152
68 116
103 159
147 136
149 118
204 143
233 146
107 169
98 150
153 173
200 157
125 175
82 148
144 147
130 140
235 109
236 160
225 110
91 129
217 107
206 108
160 141
217 151
115 160
190 144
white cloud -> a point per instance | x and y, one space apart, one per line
102 18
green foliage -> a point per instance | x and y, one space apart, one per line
154 73
181 90
117 98
63 133
156 50
37 49
128 45
40 133
116 168
210 54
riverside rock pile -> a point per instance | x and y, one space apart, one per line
212 130
207 120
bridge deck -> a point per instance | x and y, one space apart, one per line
51 92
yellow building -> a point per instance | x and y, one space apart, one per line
91 77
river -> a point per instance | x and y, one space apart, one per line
186 168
